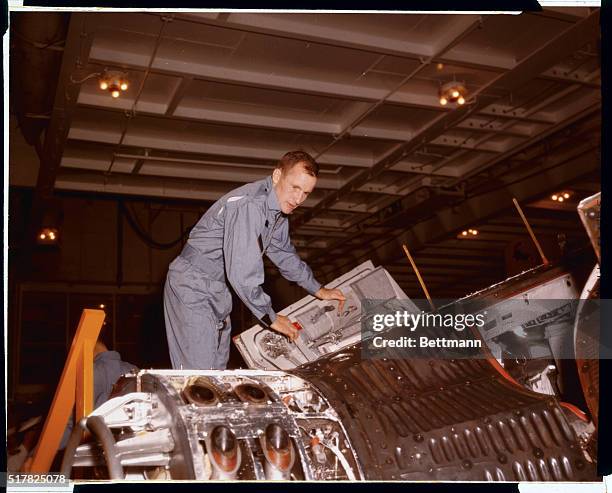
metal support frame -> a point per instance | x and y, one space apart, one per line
75 389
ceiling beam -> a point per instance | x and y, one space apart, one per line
293 26
529 67
473 210
76 46
251 78
288 26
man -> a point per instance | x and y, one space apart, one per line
229 241
108 367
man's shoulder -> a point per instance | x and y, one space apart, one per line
110 363
254 192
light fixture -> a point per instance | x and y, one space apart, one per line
47 236
466 233
114 82
561 196
102 306
452 92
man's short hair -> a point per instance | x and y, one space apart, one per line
292 158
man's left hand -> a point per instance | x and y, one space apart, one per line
332 294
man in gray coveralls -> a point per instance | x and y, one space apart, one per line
229 241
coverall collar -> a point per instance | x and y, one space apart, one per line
272 200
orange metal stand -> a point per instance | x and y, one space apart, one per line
75 387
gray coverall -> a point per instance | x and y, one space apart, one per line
228 241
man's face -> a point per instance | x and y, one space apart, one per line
292 187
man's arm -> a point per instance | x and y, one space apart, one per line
244 266
283 254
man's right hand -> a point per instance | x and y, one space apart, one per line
283 325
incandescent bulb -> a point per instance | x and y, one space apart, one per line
103 85
115 94
443 101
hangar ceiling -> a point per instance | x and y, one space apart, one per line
216 98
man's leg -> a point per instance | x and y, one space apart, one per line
222 354
191 331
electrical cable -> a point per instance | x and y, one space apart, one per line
144 236
71 446
98 428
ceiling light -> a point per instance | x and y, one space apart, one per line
102 306
453 92
114 82
561 196
467 233
47 236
